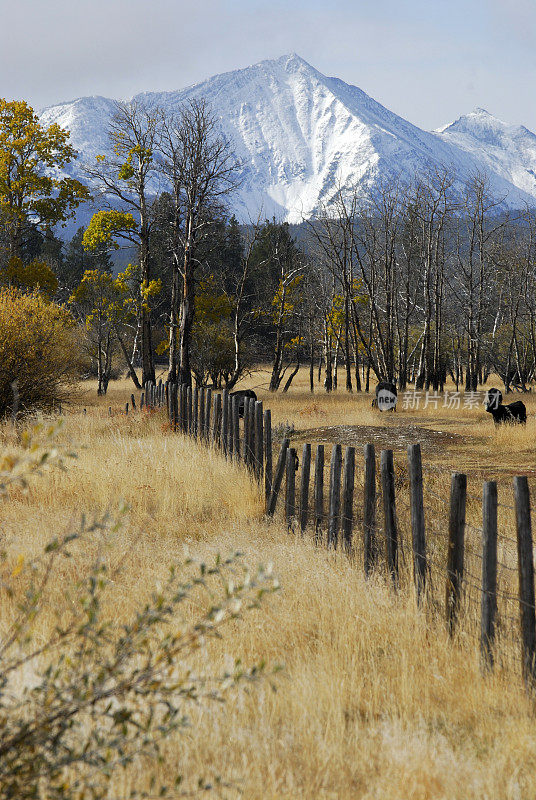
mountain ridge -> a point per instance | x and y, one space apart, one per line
300 135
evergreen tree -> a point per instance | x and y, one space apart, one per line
77 260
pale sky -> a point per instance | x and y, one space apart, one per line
428 60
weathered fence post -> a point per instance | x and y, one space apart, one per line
180 399
334 496
126 408
246 448
489 572
259 441
251 437
208 411
224 420
142 400
304 486
458 494
348 498
526 579
202 401
185 408
417 518
319 491
230 435
267 455
216 431
290 487
176 392
133 402
369 509
389 512
278 477
189 415
196 413
236 428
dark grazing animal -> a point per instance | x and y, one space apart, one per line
385 386
241 394
513 412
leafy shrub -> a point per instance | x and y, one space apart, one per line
92 696
38 350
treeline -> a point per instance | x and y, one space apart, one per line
429 284
415 283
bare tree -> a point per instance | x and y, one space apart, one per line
125 180
201 168
285 263
476 256
241 298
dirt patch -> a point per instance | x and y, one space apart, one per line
392 437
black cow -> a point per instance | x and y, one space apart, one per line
242 394
387 386
513 412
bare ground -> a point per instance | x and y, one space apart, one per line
394 437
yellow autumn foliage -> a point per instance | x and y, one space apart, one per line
35 275
39 352
31 159
104 226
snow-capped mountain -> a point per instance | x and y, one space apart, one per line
300 136
505 150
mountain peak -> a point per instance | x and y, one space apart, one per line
475 122
291 60
289 63
508 151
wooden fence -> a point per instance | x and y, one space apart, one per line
454 565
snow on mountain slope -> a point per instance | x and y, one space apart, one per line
506 150
300 136
87 119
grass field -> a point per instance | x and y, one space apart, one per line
374 700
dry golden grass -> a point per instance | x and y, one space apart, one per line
375 701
